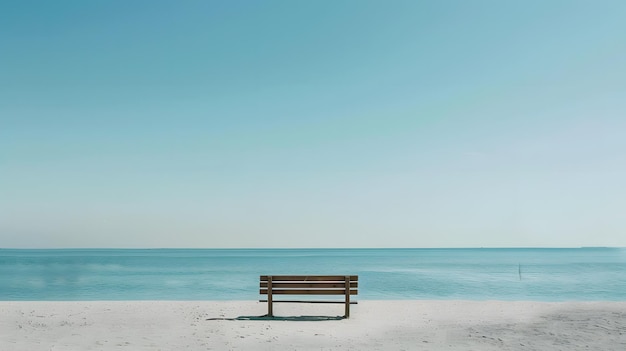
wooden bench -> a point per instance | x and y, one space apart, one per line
309 285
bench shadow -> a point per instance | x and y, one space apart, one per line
281 318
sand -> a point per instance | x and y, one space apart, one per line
374 325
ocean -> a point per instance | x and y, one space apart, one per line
579 274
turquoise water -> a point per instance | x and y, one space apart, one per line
232 274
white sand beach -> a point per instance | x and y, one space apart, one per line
374 325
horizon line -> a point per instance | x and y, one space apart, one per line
316 248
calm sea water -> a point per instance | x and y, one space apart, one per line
233 274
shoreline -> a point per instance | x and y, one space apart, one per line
373 325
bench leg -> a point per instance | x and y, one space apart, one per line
270 302
347 288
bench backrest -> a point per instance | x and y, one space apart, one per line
309 284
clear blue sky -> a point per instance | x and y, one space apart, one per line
312 123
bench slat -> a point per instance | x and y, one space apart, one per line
311 285
308 292
311 301
326 278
